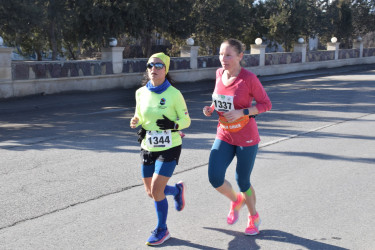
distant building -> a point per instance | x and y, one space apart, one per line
313 43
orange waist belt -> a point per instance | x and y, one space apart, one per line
235 126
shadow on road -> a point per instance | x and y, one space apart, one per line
178 243
241 241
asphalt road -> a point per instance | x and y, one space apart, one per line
70 177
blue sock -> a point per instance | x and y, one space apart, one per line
171 190
162 212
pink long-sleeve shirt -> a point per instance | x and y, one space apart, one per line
244 89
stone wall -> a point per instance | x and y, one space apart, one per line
250 60
323 55
283 58
348 53
59 69
368 52
25 70
208 61
22 78
134 65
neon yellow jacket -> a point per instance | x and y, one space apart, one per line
151 106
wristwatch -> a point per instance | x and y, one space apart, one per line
246 111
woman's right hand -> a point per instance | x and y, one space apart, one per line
134 121
207 110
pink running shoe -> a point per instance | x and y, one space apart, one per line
234 209
253 225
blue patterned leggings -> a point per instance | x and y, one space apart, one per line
222 154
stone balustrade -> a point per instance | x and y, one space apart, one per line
113 71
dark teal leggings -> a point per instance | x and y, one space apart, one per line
222 154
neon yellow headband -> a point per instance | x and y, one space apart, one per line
165 59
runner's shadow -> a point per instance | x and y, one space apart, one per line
177 242
241 241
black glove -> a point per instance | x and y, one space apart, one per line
165 123
141 134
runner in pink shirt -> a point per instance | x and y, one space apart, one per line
237 132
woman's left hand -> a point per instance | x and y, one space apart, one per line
165 123
233 115
207 110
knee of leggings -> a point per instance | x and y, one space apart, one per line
244 185
215 181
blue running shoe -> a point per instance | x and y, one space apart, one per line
158 236
179 199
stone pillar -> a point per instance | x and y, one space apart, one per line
301 47
192 52
358 45
5 63
114 54
259 50
335 47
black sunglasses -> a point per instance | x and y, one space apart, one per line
156 65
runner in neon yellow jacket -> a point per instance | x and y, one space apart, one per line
152 106
161 111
